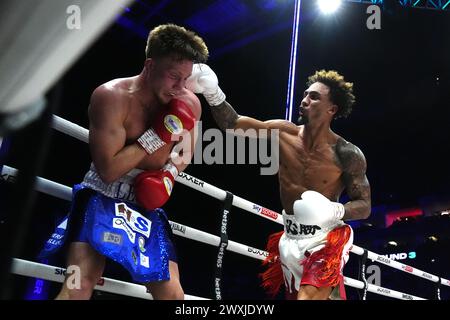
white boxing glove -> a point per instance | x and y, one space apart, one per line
315 209
203 80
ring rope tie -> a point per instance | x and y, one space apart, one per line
438 289
228 202
362 274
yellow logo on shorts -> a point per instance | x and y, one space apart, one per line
173 124
168 184
134 256
141 242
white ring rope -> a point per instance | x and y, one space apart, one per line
43 185
64 192
70 128
56 274
50 187
399 266
380 290
220 194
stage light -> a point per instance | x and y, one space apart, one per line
329 6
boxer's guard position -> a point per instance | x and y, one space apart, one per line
115 212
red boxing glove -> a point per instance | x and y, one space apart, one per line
153 188
173 120
177 117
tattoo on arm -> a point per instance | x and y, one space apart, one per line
355 181
225 116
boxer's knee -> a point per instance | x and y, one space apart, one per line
166 290
309 292
176 293
81 290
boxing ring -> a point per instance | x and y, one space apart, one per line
54 273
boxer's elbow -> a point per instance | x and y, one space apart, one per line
357 210
107 178
366 210
107 174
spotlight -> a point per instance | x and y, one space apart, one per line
329 6
393 243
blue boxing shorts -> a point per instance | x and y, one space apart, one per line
139 240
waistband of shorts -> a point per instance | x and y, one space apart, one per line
120 189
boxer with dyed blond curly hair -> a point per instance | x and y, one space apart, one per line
315 166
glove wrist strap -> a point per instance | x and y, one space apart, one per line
171 169
150 141
216 98
339 210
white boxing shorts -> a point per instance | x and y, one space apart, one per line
308 255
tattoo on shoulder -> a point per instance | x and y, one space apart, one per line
351 157
355 180
224 115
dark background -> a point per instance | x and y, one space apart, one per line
401 77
